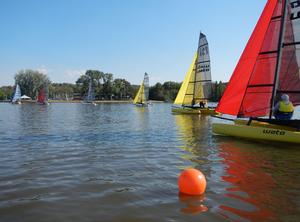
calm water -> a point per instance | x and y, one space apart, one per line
117 162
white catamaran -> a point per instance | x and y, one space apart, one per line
142 96
196 88
17 96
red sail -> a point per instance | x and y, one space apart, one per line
41 96
250 88
289 75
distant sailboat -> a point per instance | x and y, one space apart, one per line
42 100
90 98
268 68
17 96
196 88
142 96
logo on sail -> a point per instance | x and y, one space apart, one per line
296 10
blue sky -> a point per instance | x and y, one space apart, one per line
63 38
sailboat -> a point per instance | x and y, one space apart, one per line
196 88
142 96
17 96
41 99
90 98
268 68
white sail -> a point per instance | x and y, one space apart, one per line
146 86
17 95
203 72
90 96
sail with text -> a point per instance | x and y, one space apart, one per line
17 95
269 65
142 95
196 86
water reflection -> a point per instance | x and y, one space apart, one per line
193 134
253 192
193 204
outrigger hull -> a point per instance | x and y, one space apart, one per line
141 104
197 111
265 132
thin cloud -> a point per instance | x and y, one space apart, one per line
74 73
43 70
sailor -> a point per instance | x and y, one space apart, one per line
202 104
284 109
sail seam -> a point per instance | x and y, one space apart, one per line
268 52
260 85
290 43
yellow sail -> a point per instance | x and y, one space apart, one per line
186 93
196 86
140 96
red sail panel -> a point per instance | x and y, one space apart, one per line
246 94
41 96
289 75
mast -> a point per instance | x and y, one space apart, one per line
195 70
278 65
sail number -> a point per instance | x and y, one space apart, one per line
203 51
295 5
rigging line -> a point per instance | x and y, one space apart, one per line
279 56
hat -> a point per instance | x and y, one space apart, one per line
285 97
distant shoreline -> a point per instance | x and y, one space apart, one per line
80 101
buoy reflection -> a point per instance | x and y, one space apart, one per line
193 204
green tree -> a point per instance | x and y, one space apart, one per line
61 90
2 96
97 77
170 90
122 88
31 82
107 89
156 92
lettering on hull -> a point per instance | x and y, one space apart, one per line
274 132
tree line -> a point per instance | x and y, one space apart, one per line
104 85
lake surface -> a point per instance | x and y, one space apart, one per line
118 162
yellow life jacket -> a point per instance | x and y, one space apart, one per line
286 108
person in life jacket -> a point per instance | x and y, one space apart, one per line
284 109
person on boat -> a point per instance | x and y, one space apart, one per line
193 102
202 104
284 109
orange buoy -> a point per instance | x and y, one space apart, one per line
192 182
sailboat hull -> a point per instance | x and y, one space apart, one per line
198 111
257 132
16 103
